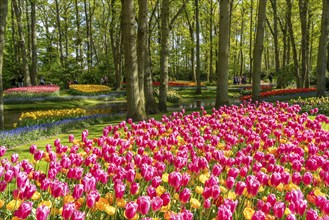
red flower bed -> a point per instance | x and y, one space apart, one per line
34 89
280 92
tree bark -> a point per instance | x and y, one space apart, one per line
198 64
164 56
303 11
25 66
3 16
142 37
250 39
34 69
258 50
151 105
211 69
275 36
60 41
293 44
116 45
89 59
134 107
223 54
321 61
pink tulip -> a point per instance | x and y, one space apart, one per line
207 203
175 179
77 215
301 207
224 212
33 149
217 170
278 209
144 204
252 185
271 199
9 175
68 210
71 138
291 217
258 215
42 212
165 198
3 185
185 195
156 203
240 186
311 215
92 197
131 209
215 191
296 178
24 210
78 191
230 182
89 182
3 150
14 158
21 179
119 189
307 178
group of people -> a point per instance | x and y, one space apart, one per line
104 80
19 82
237 80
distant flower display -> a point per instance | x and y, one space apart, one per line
279 92
88 88
32 90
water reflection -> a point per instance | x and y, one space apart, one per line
12 117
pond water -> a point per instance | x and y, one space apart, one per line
12 116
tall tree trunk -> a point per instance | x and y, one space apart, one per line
259 44
142 38
164 56
28 28
223 56
303 11
25 66
34 69
197 32
60 41
89 61
78 43
275 36
151 105
321 62
135 109
116 45
251 32
241 42
293 44
211 69
3 16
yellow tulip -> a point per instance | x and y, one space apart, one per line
248 213
195 203
13 205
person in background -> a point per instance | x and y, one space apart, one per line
13 82
20 80
42 81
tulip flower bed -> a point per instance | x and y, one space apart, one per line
281 92
88 89
321 104
240 162
172 95
32 91
178 83
49 116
